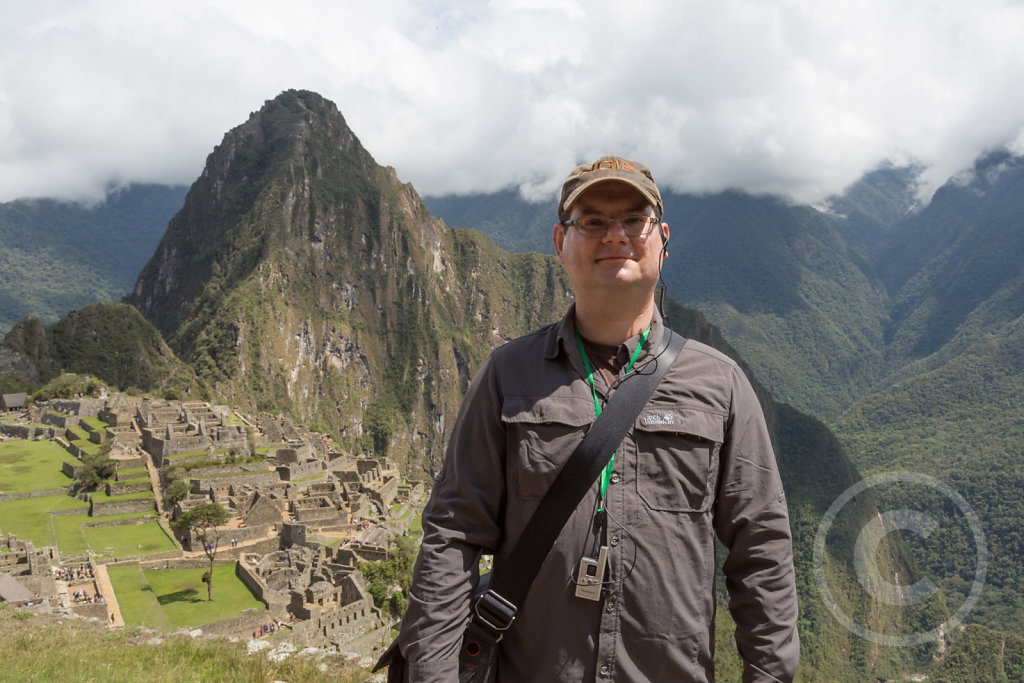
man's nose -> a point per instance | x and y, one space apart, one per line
615 232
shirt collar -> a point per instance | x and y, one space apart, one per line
563 337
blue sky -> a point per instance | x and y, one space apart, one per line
793 97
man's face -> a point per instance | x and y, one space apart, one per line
615 261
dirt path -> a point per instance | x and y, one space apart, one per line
106 589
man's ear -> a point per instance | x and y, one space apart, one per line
557 238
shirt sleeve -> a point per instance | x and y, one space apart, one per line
752 522
460 522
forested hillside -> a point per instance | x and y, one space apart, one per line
56 256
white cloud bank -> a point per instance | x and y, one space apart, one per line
797 98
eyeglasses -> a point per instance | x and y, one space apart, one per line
638 225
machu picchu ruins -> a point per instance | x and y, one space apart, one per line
303 517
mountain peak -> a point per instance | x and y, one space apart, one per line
300 273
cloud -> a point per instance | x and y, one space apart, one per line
796 98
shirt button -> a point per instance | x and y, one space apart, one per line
610 607
604 670
615 477
615 540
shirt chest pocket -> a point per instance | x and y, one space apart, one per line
541 433
677 450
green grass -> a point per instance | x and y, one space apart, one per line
101 496
87 446
77 535
176 598
96 423
135 597
32 466
69 537
185 456
118 483
129 539
76 434
46 648
30 518
128 471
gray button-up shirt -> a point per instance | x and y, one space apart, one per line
697 463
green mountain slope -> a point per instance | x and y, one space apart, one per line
56 256
786 290
302 276
110 341
956 266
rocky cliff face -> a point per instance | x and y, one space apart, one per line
302 276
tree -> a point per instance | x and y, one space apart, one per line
202 521
95 469
177 490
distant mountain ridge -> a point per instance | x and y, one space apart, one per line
58 255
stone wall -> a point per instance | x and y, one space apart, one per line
276 601
32 494
243 534
89 610
59 420
354 553
300 470
119 507
124 488
82 407
204 484
160 447
335 623
129 460
29 432
318 517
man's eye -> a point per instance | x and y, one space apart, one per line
634 221
593 223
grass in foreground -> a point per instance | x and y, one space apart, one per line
44 648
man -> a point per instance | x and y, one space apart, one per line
697 463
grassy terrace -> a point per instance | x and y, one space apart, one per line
179 457
101 497
174 598
97 424
133 473
60 520
31 519
225 475
79 534
133 480
32 466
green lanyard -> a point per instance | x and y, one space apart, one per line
607 472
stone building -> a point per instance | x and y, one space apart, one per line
30 566
175 427
327 600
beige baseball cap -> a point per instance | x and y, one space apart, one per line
608 168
